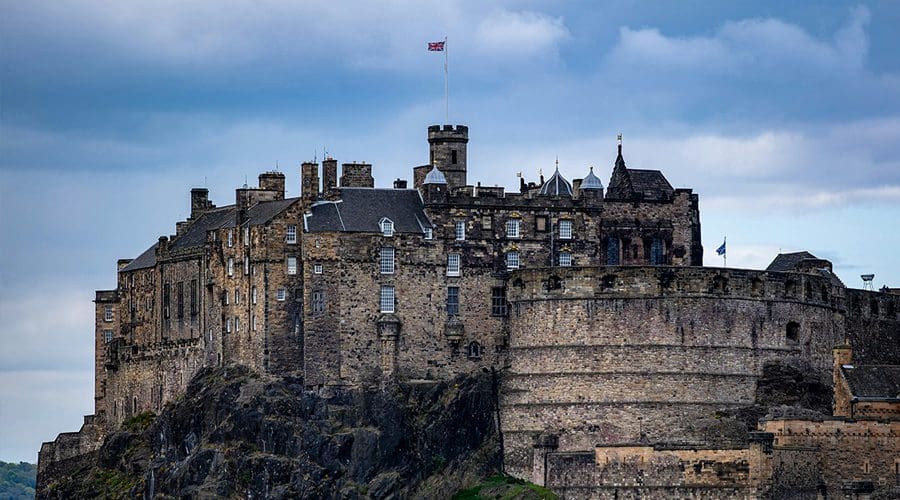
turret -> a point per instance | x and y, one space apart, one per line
434 187
447 147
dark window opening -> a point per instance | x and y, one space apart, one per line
656 252
756 287
790 288
608 281
193 298
612 251
720 284
452 300
554 283
792 333
179 290
318 301
453 157
808 291
498 301
166 293
474 350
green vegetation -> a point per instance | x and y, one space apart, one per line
17 480
502 487
139 422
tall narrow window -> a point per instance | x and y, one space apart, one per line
231 237
656 252
318 301
246 265
291 234
237 323
179 299
512 228
460 230
452 301
453 264
512 260
565 259
387 299
253 322
474 350
246 236
453 157
498 301
166 294
228 325
387 227
230 266
107 313
107 336
386 265
193 298
237 296
612 251
292 266
253 295
565 230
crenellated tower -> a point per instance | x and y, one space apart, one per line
447 145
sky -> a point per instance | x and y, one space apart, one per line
783 116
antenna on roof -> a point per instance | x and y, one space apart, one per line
276 165
245 181
867 281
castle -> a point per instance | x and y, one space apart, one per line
616 346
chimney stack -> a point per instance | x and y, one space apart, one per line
400 184
273 181
309 182
199 201
329 174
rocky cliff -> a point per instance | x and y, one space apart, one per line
239 434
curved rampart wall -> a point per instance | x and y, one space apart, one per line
618 354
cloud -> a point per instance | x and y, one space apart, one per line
505 34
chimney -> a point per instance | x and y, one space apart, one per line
357 175
199 201
274 182
243 199
400 184
163 245
329 174
309 182
121 263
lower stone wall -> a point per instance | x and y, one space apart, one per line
69 451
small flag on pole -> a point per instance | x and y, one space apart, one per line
721 249
436 46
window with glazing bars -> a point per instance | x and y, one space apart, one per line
452 300
498 301
460 230
512 260
512 228
386 265
387 299
612 251
291 234
565 259
453 264
565 230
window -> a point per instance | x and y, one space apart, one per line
453 264
498 301
540 223
193 298
452 301
387 227
253 295
179 300
453 157
166 294
230 237
386 264
107 336
149 303
318 301
474 350
246 265
460 230
237 323
227 297
237 296
253 322
228 325
512 228
656 252
512 260
793 332
565 259
565 230
486 222
107 313
317 268
429 233
247 236
612 251
230 266
387 299
292 266
281 295
290 235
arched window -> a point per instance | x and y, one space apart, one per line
387 227
792 332
474 350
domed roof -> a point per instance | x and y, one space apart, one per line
591 181
435 177
556 186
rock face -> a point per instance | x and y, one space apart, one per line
239 434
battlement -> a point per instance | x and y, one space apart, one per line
448 133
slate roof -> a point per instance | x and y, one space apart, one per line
144 260
361 210
217 218
643 181
881 382
789 261
556 185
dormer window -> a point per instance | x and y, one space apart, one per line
429 233
387 227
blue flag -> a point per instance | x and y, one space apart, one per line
721 249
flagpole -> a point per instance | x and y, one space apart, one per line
446 81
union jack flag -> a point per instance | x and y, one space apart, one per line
436 46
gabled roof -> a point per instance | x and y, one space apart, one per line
643 181
630 183
144 260
789 261
361 209
879 382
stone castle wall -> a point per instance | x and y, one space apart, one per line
618 354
